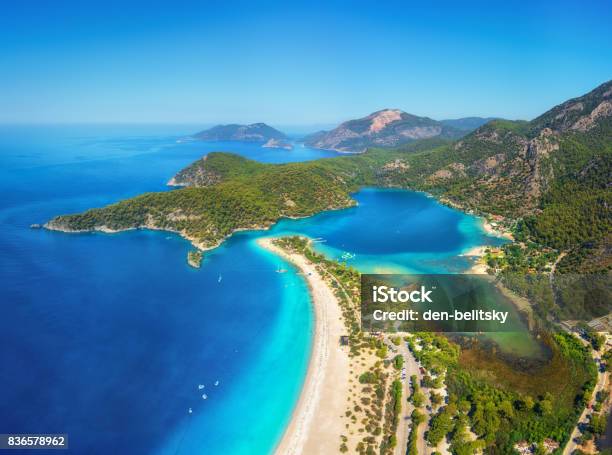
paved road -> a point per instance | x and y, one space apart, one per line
413 368
403 429
602 381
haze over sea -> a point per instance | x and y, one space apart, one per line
108 337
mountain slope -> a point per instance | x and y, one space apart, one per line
507 167
255 132
385 128
553 173
577 114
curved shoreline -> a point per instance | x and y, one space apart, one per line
315 425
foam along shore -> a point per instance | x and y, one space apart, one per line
316 423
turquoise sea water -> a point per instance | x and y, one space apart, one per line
108 337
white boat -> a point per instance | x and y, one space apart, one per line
190 410
216 383
204 396
220 278
200 386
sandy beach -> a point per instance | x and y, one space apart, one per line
477 253
316 423
496 231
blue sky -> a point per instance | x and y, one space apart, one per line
290 63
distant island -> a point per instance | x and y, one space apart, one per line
278 144
385 128
255 132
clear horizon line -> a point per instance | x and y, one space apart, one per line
222 122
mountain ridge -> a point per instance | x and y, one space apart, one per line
383 128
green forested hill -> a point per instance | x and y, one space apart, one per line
215 167
242 195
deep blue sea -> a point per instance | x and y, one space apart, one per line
113 338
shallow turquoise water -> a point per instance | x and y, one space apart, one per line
393 230
109 336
